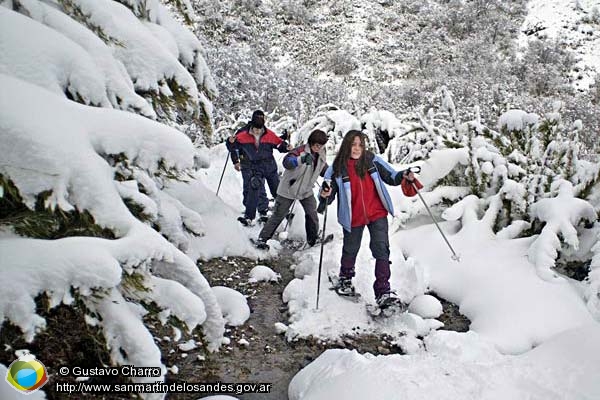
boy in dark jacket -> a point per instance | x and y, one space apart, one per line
252 153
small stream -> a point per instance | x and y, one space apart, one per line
269 357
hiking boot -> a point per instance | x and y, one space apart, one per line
261 244
345 286
245 221
387 300
263 216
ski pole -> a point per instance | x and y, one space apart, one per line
290 215
223 173
325 186
455 256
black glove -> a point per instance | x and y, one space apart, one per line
284 135
322 205
307 158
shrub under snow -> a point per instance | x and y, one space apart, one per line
67 151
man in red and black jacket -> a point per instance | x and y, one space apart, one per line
252 153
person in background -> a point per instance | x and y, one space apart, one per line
251 151
358 176
303 166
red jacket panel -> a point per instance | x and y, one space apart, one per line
366 204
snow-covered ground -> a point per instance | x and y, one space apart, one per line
459 366
573 23
530 337
512 309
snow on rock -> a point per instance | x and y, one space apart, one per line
175 300
458 366
262 273
187 346
467 346
233 305
35 266
305 266
280 327
426 306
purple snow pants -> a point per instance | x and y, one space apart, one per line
380 248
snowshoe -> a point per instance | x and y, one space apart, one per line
327 239
260 244
386 306
301 244
292 244
343 287
245 221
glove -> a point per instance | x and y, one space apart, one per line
322 205
410 188
284 135
307 159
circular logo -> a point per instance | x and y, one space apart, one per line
26 374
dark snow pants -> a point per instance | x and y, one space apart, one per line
260 172
282 207
380 249
263 201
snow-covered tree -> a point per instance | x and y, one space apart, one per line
131 55
514 169
87 161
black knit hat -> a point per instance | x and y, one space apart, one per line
258 119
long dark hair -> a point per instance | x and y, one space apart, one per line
343 155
